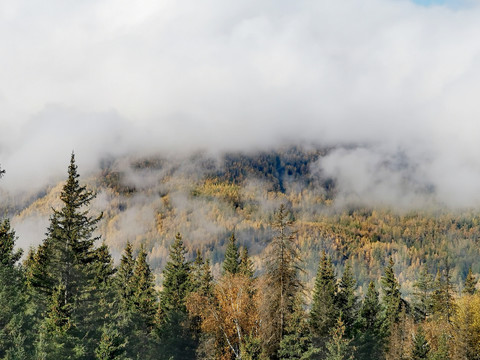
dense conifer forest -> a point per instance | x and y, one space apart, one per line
249 259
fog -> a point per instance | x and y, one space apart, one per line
109 78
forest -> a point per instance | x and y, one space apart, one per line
271 270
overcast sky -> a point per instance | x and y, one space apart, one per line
116 76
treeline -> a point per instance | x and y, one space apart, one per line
68 301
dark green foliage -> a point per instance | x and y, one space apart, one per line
338 347
246 265
175 332
8 255
144 295
232 257
421 347
176 283
422 296
112 345
443 302
470 283
391 298
281 282
124 277
369 339
297 340
324 313
347 300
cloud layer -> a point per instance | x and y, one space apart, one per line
111 77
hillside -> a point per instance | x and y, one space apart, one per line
206 198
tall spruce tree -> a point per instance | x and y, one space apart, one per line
144 295
368 339
175 331
232 257
324 313
65 263
421 347
443 302
347 300
391 298
246 265
16 335
281 282
422 295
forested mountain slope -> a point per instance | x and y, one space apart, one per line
206 198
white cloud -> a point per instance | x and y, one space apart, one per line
112 77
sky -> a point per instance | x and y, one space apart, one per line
113 77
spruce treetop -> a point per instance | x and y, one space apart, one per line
470 283
232 257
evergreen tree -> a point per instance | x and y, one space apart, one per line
16 335
391 298
144 296
112 345
175 331
421 347
422 295
443 302
347 300
124 277
470 283
281 282
324 313
369 338
297 341
66 262
232 257
338 347
246 265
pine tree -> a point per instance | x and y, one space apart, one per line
324 313
391 298
422 295
246 265
338 347
347 301
16 336
144 296
443 303
297 341
175 332
232 257
124 277
66 262
112 345
281 282
369 338
421 347
470 283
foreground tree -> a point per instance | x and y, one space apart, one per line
62 273
281 282
232 257
175 331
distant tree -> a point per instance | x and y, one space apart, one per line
124 277
325 309
281 282
232 256
470 283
